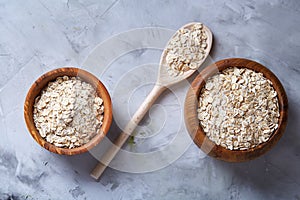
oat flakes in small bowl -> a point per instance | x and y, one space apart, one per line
236 110
68 111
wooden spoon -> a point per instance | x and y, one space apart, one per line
164 80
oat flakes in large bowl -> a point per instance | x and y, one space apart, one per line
236 110
68 111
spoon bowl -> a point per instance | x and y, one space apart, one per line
164 77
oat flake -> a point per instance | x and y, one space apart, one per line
238 108
68 113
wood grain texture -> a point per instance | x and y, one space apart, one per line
164 80
196 131
42 82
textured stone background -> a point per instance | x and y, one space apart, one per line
39 35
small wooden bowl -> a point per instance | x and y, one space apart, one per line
42 82
196 131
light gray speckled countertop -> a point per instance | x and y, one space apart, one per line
39 35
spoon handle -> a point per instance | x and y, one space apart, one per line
118 143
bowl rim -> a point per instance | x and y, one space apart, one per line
198 135
42 82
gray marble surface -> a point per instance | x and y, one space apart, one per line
38 35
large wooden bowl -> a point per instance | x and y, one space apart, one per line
198 135
35 91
